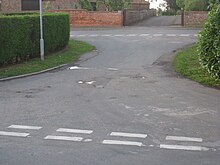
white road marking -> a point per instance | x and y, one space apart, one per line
184 35
158 35
90 82
131 35
77 68
180 147
80 82
171 35
16 134
106 35
128 143
144 35
93 35
196 35
65 138
75 131
25 127
181 138
81 35
113 69
128 134
119 35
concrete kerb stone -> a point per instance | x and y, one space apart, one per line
32 74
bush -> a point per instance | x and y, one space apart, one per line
196 5
20 35
209 43
169 12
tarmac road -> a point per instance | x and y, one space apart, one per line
120 104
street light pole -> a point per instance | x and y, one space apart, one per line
41 32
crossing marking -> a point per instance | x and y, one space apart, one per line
117 142
64 138
171 35
25 127
16 134
128 134
180 147
158 35
184 35
119 35
131 35
182 138
144 35
106 35
75 131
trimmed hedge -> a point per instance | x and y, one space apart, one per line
209 43
20 35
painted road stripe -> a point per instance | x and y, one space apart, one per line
93 35
143 35
128 134
106 35
128 143
171 35
119 35
25 127
158 35
180 147
16 134
77 68
184 35
196 35
65 138
75 131
131 35
81 35
182 138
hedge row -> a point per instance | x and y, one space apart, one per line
20 35
209 43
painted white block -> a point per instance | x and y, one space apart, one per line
64 138
180 147
119 35
182 138
77 68
25 127
158 35
171 35
106 35
184 35
16 134
144 35
128 143
131 35
93 35
81 131
123 134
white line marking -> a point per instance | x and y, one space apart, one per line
143 35
131 35
129 143
77 68
65 138
184 35
119 35
81 35
171 35
113 69
73 35
25 127
196 35
75 131
128 134
106 35
90 82
181 138
158 35
93 35
16 134
180 147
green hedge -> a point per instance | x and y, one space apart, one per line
20 35
209 43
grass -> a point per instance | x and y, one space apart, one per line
70 54
187 64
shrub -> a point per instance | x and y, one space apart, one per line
20 35
209 43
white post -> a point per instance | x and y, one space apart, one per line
41 32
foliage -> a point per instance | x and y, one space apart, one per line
115 5
171 4
70 54
193 5
209 43
85 4
20 35
169 12
187 63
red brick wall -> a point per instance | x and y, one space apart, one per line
83 18
195 18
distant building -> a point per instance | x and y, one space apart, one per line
26 5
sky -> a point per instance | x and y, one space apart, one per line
155 3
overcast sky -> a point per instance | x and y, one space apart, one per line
155 3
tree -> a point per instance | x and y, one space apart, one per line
193 5
114 5
180 3
85 4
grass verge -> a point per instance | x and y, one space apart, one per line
187 64
70 54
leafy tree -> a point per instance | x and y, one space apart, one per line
85 4
180 3
114 5
196 5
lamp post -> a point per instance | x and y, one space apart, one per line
41 32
